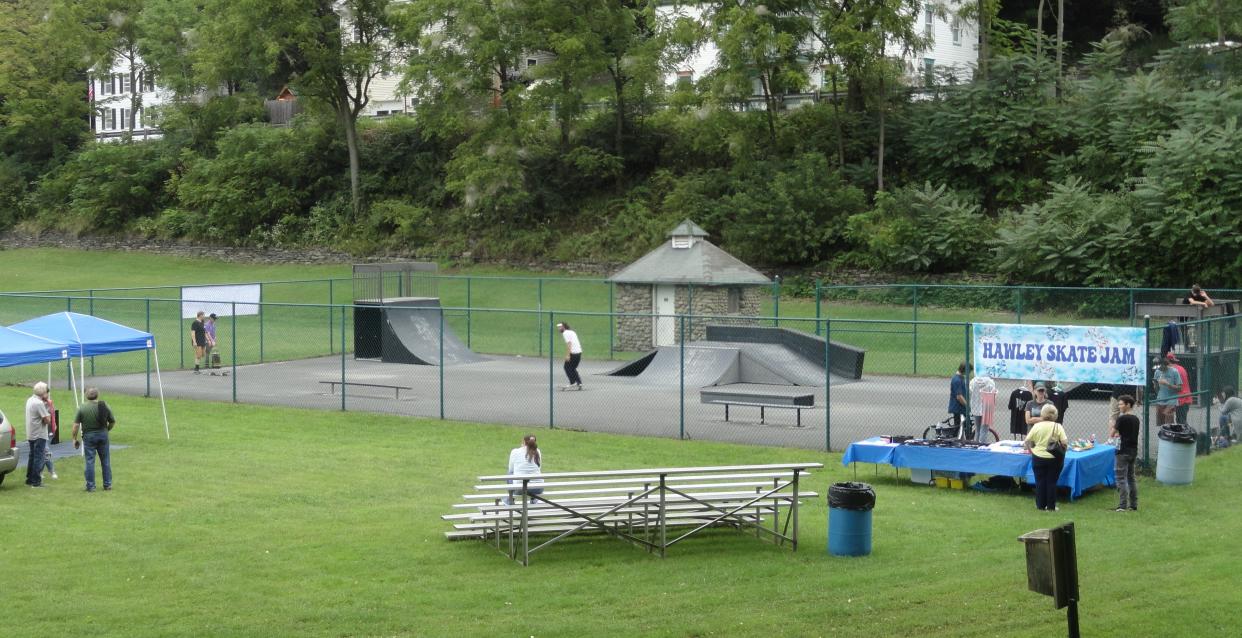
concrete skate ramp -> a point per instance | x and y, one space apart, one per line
846 360
711 363
412 335
706 365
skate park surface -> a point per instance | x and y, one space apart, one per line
525 391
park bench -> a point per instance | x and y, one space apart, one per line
396 388
796 400
651 508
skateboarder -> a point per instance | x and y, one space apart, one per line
573 355
198 339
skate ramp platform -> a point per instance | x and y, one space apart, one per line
846 360
706 365
407 330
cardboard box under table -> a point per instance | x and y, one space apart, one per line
1082 470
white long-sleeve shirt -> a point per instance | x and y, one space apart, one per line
519 465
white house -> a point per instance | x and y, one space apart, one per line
954 50
112 96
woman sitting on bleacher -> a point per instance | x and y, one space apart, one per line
525 460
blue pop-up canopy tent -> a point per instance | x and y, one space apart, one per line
87 336
19 349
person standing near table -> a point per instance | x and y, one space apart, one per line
1114 398
1017 411
1034 407
1185 396
958 405
38 418
1126 430
573 355
1044 464
1168 386
198 339
93 422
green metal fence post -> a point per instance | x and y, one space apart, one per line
468 317
539 325
148 392
818 296
689 310
331 298
551 368
180 337
612 320
681 382
441 364
1206 390
343 356
261 323
827 385
1019 304
915 331
233 338
1131 307
776 301
1147 391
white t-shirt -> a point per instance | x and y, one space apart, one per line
571 338
36 410
978 386
519 465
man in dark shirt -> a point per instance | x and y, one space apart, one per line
1114 397
93 422
198 339
1126 429
958 403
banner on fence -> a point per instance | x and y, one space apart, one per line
220 300
1084 354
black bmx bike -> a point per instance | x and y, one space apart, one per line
946 430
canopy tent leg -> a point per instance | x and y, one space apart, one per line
160 382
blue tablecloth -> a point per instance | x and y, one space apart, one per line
1082 469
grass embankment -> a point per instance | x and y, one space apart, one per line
509 322
257 521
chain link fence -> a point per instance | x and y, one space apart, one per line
305 355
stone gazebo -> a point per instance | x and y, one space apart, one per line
687 275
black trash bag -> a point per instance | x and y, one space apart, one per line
851 496
1177 433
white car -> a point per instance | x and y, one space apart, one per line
8 448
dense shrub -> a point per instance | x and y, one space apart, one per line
105 187
258 176
921 229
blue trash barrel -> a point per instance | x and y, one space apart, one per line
849 518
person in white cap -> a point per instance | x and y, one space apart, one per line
573 355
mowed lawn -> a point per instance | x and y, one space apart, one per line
258 521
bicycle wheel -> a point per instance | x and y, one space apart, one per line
930 433
992 436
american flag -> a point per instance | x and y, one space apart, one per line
90 90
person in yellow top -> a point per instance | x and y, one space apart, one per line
1045 464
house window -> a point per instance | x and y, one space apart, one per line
929 72
735 301
531 62
146 80
125 86
825 75
957 31
109 119
124 122
928 24
685 78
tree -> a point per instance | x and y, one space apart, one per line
763 44
331 49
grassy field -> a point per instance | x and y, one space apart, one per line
255 521
505 316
